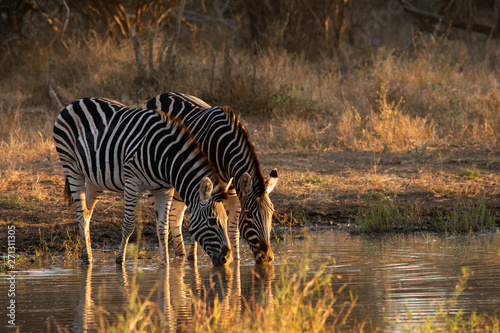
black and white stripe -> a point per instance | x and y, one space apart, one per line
105 145
226 143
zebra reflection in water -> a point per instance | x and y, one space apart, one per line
182 288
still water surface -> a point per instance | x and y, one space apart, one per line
391 275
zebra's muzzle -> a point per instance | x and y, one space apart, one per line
264 254
225 257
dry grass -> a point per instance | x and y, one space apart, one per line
25 138
302 301
438 93
398 125
389 125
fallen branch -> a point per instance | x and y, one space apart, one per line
476 27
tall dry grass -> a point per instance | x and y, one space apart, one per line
439 92
25 138
26 151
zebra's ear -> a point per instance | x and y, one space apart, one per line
229 183
245 183
271 180
206 188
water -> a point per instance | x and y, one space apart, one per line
391 275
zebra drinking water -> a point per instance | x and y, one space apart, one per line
226 143
105 145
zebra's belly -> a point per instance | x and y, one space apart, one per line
106 185
112 176
106 180
117 185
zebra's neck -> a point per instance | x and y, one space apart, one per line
227 145
184 170
218 130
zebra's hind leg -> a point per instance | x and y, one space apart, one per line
131 197
92 195
83 214
162 201
176 216
233 208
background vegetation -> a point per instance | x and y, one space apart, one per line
359 101
377 75
356 102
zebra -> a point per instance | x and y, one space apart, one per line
106 145
227 144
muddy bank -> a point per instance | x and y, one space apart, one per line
315 188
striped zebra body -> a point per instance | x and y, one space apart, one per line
105 145
228 147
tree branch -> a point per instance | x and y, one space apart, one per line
141 71
169 51
481 28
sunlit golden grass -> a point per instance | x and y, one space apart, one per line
26 138
400 112
299 302
440 93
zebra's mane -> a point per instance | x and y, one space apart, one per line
111 101
176 122
241 131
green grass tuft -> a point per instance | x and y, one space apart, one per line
310 180
469 173
15 201
465 218
387 216
444 321
294 103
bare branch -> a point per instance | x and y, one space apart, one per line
496 10
141 71
152 38
481 28
169 51
52 94
65 25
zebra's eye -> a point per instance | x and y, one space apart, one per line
212 222
249 215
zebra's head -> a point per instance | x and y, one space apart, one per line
208 224
256 216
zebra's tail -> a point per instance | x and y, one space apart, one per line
67 193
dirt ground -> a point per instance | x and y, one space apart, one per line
325 188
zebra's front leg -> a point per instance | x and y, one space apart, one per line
193 246
131 197
233 208
162 201
175 218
